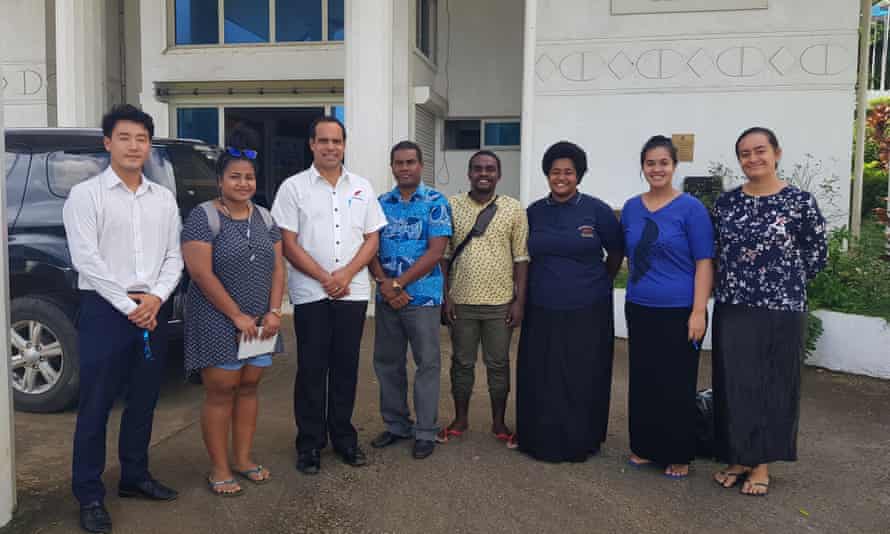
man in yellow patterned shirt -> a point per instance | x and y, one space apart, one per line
484 292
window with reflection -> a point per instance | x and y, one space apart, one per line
197 22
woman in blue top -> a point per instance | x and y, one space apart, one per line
770 243
564 370
670 246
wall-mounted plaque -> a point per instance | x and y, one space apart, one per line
633 7
685 144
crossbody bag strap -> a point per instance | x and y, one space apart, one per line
482 221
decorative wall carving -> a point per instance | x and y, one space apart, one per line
799 61
23 82
630 7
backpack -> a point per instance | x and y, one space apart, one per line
213 216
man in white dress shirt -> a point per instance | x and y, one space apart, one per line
123 234
329 220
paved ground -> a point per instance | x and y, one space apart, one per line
841 483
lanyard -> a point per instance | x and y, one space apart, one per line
146 345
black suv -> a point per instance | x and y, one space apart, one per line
42 166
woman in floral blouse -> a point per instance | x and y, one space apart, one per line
771 242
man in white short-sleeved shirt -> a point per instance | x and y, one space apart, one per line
329 219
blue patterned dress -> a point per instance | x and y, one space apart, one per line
244 267
768 248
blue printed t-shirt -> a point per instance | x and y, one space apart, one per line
566 243
405 238
662 248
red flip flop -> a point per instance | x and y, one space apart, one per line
445 435
503 436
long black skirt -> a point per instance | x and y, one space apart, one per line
756 380
564 381
663 374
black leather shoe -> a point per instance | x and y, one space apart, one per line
423 448
309 462
353 456
94 518
385 439
149 489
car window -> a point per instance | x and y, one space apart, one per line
195 170
66 169
16 166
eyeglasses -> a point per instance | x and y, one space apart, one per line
245 153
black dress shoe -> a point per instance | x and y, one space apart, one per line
149 489
423 448
385 439
353 456
309 462
94 518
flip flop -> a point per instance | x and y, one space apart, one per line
513 442
761 484
639 465
677 476
739 477
214 486
445 435
256 470
503 436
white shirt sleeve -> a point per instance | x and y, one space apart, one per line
81 228
375 219
286 208
171 268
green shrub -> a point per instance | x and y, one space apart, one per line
874 187
856 281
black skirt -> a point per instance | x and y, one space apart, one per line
564 381
662 379
756 380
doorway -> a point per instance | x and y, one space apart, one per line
283 143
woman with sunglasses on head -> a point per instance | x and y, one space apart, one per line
670 246
770 243
233 253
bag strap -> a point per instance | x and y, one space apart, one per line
213 216
482 221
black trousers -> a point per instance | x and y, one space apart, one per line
329 335
112 358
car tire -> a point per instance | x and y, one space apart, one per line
52 360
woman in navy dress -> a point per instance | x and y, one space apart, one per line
238 278
770 243
670 246
564 369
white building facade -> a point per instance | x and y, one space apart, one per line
455 75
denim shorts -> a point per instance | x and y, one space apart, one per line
263 360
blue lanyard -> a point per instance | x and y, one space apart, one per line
146 345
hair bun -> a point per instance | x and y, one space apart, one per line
243 137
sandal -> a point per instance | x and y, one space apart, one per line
513 442
258 470
503 436
738 476
215 487
445 435
676 476
750 484
634 463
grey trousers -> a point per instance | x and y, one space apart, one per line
394 330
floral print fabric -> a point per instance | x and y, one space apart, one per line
768 248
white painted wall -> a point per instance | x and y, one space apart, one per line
23 70
609 82
853 344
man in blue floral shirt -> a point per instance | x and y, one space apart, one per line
409 299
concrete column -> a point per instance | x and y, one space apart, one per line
81 72
368 90
402 25
528 166
7 439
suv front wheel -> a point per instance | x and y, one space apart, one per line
44 360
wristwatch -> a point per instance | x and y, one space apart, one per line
396 286
276 311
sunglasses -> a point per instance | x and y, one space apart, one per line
235 153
